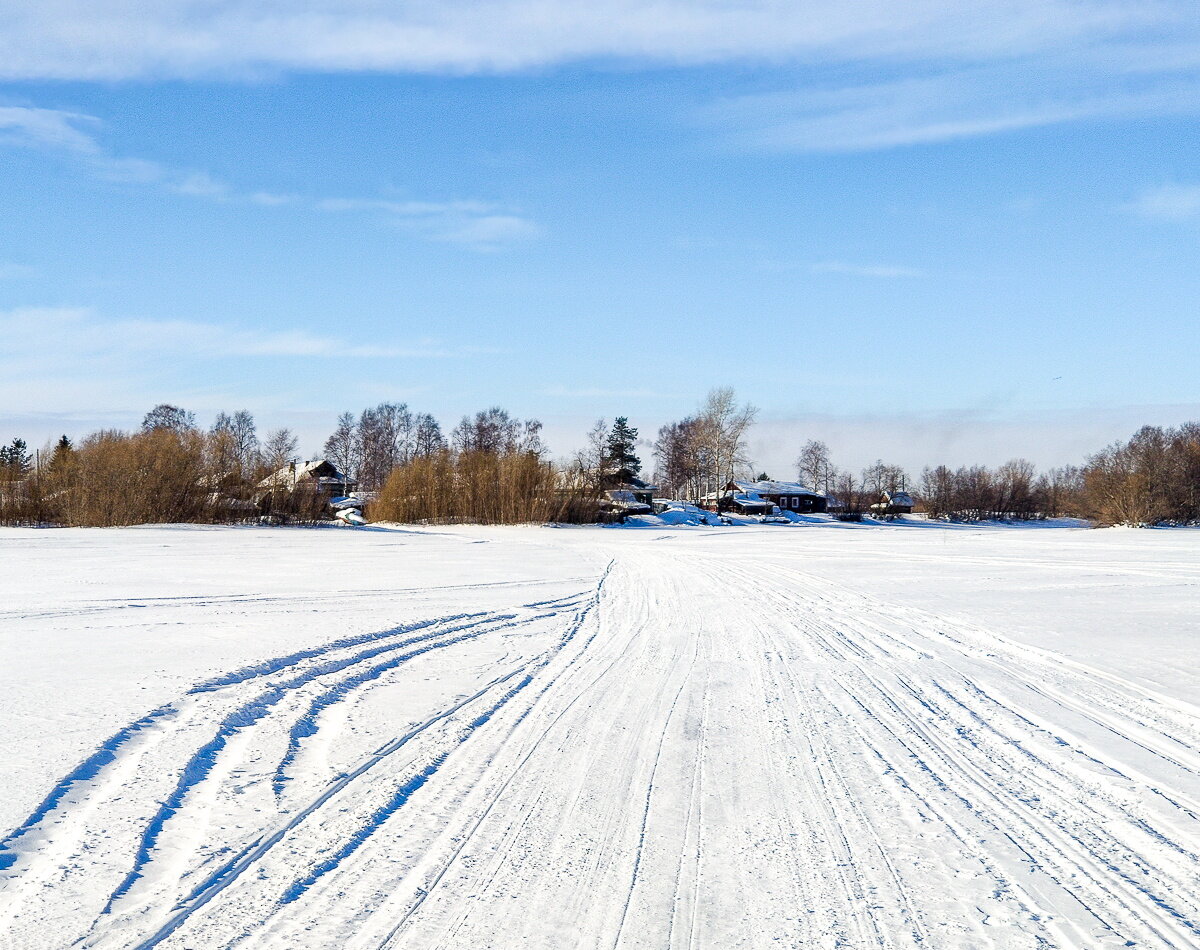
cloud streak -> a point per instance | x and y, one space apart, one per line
919 72
478 225
956 103
1170 202
118 39
79 334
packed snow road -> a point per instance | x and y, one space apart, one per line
795 737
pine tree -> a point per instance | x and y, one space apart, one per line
64 451
622 441
15 460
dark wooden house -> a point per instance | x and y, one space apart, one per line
893 503
787 496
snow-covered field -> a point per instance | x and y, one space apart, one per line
792 736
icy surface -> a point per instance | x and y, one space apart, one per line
807 735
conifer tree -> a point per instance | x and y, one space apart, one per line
622 442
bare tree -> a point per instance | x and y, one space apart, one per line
814 467
427 436
880 478
279 449
342 446
724 426
385 438
681 455
233 444
166 416
494 431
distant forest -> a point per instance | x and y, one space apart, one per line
494 468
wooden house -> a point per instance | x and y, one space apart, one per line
787 496
318 480
625 494
893 503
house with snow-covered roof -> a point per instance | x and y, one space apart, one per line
788 496
737 502
319 477
894 503
762 497
629 485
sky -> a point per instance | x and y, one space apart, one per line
918 232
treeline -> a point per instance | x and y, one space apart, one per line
494 468
1153 478
1012 492
169 470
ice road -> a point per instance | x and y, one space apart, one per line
535 738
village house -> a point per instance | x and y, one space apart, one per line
625 494
318 480
762 497
893 503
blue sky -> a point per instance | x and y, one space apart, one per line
924 235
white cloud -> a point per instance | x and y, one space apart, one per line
923 70
113 39
479 225
50 128
79 334
201 185
1169 202
954 103
11 271
489 232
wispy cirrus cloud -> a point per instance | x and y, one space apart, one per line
938 105
73 357
478 225
81 334
12 271
1169 202
915 72
116 39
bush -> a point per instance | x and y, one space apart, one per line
479 487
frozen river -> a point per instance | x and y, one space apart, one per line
809 736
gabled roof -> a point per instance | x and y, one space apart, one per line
624 479
898 498
623 499
291 475
776 488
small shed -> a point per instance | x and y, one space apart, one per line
894 503
737 503
629 487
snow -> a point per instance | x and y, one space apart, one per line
815 735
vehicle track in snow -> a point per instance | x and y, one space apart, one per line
284 696
701 751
